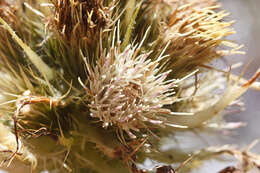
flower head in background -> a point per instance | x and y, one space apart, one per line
197 36
80 19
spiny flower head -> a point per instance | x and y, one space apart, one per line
79 18
157 13
195 35
48 117
127 91
161 9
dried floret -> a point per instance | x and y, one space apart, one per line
196 37
80 19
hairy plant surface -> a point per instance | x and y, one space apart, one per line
99 86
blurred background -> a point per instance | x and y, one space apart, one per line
247 16
246 13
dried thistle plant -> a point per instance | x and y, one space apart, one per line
79 19
125 90
94 86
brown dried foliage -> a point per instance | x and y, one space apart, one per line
195 34
8 12
76 19
163 8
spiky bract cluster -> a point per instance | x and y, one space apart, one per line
128 91
195 29
160 10
157 13
195 35
80 18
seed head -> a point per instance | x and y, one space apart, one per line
195 35
127 91
161 9
79 18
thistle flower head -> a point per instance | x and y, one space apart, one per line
161 9
127 91
47 116
195 35
157 13
80 18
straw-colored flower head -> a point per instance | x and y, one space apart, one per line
195 35
79 18
157 12
127 91
157 9
161 9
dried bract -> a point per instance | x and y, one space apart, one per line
80 18
195 35
161 9
8 12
